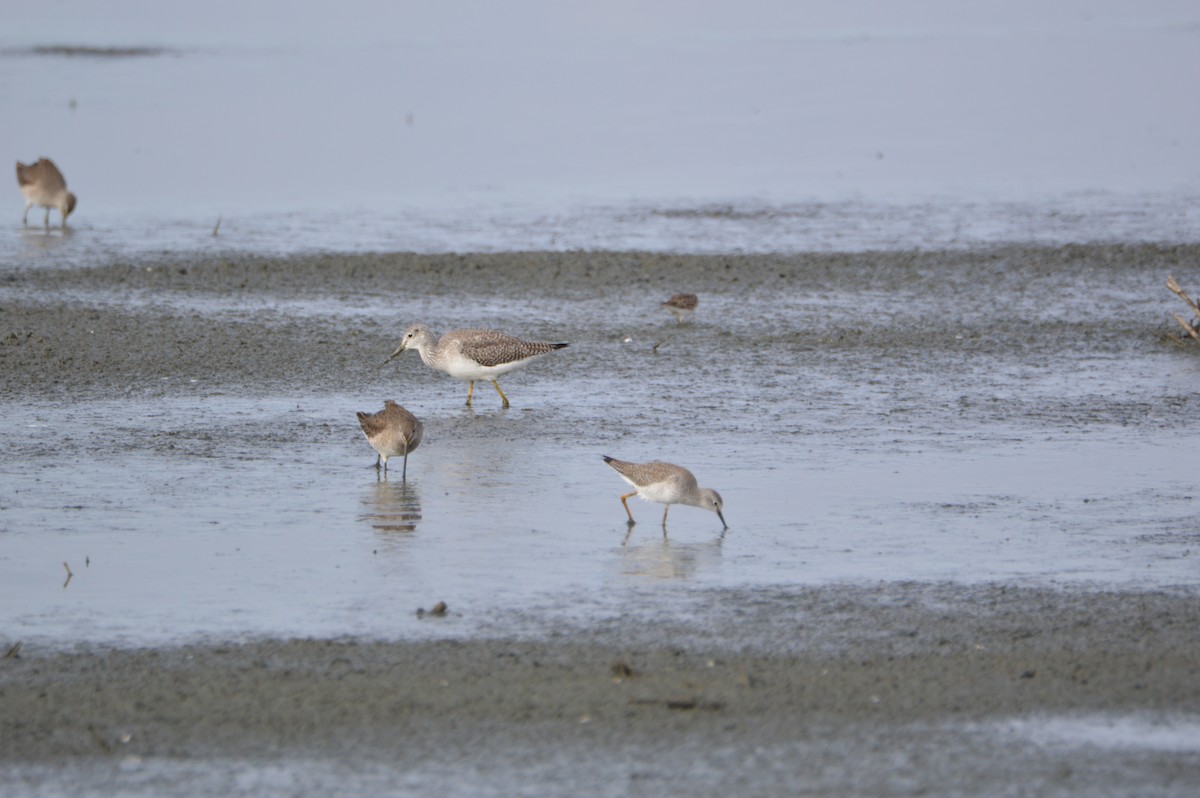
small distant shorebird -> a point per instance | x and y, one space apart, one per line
392 432
472 354
668 484
42 184
681 306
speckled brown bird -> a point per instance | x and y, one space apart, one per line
681 306
472 355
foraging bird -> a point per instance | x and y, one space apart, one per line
681 306
393 431
42 184
472 354
668 484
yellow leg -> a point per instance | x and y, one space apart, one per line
470 390
502 396
627 512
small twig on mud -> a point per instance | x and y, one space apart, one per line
1174 286
1193 329
69 574
100 741
1185 325
216 227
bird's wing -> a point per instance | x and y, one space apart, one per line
43 173
494 349
371 423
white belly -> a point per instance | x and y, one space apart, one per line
465 369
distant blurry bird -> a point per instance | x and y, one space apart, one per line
42 184
391 432
681 306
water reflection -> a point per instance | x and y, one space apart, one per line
39 239
392 506
485 459
658 558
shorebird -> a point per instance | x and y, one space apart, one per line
42 184
472 354
681 306
392 432
666 483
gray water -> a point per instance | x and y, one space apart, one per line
714 127
926 440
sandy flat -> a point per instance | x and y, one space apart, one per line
901 688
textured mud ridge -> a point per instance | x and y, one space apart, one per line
255 323
809 681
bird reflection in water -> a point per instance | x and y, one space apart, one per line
44 239
392 506
661 559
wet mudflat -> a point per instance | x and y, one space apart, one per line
961 553
901 689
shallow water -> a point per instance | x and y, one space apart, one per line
752 127
927 441
277 534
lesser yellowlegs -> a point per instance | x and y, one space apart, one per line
668 484
42 184
472 354
681 306
392 432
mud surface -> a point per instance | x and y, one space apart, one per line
851 408
896 690
257 323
